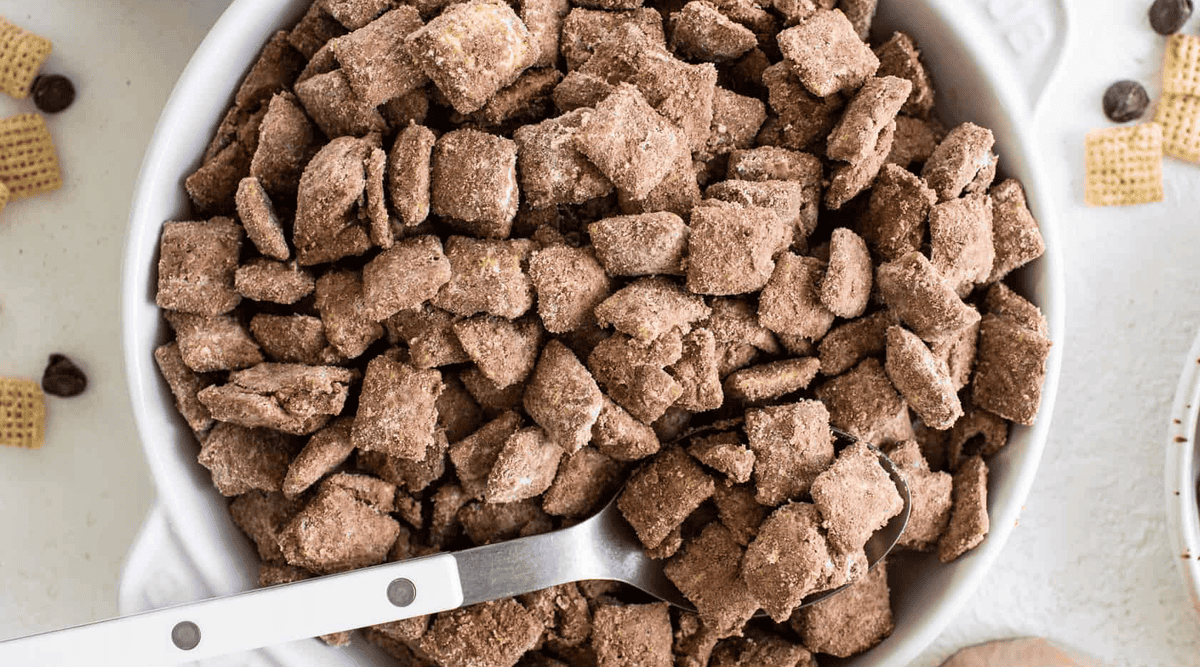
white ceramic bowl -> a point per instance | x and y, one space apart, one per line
971 48
1182 473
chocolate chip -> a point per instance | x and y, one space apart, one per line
53 93
1168 16
63 378
1125 101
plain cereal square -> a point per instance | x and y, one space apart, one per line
486 276
930 494
396 411
856 497
922 379
851 622
552 169
708 573
474 181
429 334
475 455
1010 369
771 380
473 50
846 287
864 403
732 248
725 453
960 232
219 343
343 312
787 560
569 283
827 54
563 398
584 480
621 436
635 635
257 214
874 106
790 302
649 307
792 444
375 58
899 57
899 206
629 141
701 32
661 494
327 449
196 265
525 467
336 532
503 350
243 459
408 173
261 279
404 277
294 339
969 522
1015 234
916 293
958 159
184 384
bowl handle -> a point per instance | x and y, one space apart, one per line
1032 34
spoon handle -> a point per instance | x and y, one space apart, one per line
251 620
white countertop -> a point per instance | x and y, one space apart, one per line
1089 565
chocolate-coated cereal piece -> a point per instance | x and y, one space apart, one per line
333 106
486 276
787 559
585 479
408 173
504 350
661 494
960 234
376 60
488 523
327 227
732 248
292 398
629 141
761 649
632 373
969 523
846 286
1010 369
771 380
257 214
525 467
408 473
736 121
916 293
286 141
856 497
639 245
958 159
474 181
922 379
851 180
1015 234
196 264
260 516
63 378
475 455
325 450
296 339
804 117
337 532
851 622
700 32
977 433
1002 301
552 169
632 635
725 453
827 54
708 573
243 459
569 283
491 398
900 57
184 385
792 202
219 343
792 444
696 373
261 279
404 277
544 19
563 398
864 403
429 334
874 106
790 302
396 413
619 435
848 343
895 220
930 498
649 307
915 141
343 311
355 14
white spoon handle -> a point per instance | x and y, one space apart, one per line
250 620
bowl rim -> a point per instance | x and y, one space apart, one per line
1179 483
142 374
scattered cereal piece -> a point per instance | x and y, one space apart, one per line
326 449
585 479
396 413
915 293
474 181
404 277
790 302
563 398
260 516
960 232
632 635
792 444
486 276
661 494
852 621
23 418
409 172
1010 369
504 350
196 266
1178 116
1124 165
731 248
968 518
619 435
958 159
570 283
218 343
864 403
375 58
827 54
1181 65
184 384
725 453
930 498
22 54
771 380
856 497
337 532
787 560
900 57
243 459
874 106
525 467
846 286
473 50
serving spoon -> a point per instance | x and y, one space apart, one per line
601 547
